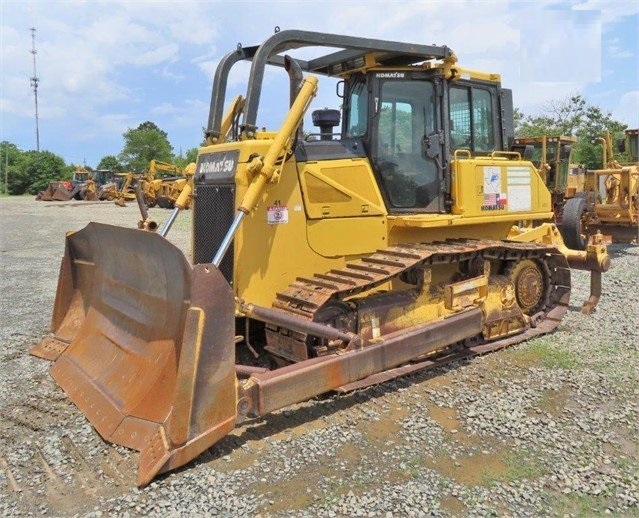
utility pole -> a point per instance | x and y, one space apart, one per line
6 169
34 84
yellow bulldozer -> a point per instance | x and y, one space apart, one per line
551 155
168 190
409 237
157 183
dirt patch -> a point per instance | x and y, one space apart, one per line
554 402
453 505
471 469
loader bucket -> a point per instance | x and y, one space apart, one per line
144 344
61 193
47 194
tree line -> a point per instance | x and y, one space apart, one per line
31 171
575 117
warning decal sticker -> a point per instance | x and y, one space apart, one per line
276 214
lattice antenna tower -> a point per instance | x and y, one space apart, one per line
34 83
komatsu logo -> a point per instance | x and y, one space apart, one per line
391 75
221 166
217 166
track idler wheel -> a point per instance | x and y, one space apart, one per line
530 280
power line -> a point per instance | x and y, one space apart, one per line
34 83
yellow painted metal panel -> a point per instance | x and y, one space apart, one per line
447 229
448 220
269 255
495 186
347 236
340 188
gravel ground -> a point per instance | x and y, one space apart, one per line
548 427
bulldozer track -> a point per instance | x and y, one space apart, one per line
23 422
53 477
306 296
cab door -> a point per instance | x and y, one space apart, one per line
406 147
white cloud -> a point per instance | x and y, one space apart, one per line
169 74
627 109
617 53
611 11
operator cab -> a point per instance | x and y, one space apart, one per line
398 116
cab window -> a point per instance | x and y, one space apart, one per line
358 110
471 119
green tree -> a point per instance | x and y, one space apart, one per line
9 157
189 156
34 170
400 127
572 116
111 163
143 144
558 117
596 123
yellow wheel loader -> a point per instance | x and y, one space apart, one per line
409 237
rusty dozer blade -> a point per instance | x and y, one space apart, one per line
144 344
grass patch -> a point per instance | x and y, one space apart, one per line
518 466
580 505
522 465
411 467
562 358
544 353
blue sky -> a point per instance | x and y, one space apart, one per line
105 67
